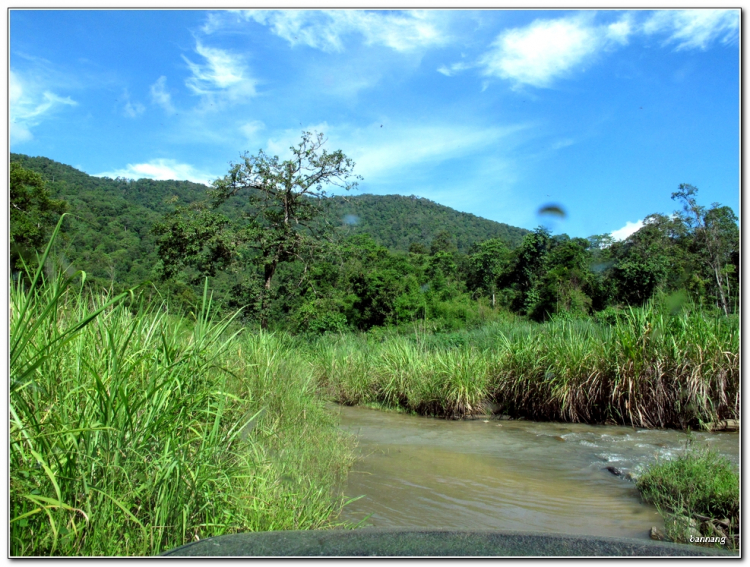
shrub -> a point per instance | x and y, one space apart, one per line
696 491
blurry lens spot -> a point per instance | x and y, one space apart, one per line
552 210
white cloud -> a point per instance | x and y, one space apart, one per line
223 74
450 70
160 169
327 29
30 104
19 133
694 29
131 109
160 95
620 31
250 129
546 50
15 88
28 109
627 230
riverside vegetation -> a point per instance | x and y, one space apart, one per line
698 494
144 417
649 368
134 430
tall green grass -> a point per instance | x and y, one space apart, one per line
133 431
698 493
649 369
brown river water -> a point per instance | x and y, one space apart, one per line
540 477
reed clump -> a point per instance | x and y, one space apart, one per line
133 430
649 369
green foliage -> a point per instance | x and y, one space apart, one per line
715 240
387 260
198 238
489 263
32 212
417 248
648 369
564 285
443 242
133 431
108 231
397 222
283 199
608 316
699 486
647 258
315 319
531 260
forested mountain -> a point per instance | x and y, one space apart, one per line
396 222
109 231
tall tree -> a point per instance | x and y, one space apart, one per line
489 263
714 232
565 284
648 259
530 263
284 199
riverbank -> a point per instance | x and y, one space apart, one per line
134 431
648 369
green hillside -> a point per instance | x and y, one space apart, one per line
109 232
395 221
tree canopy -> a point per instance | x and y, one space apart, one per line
32 211
284 199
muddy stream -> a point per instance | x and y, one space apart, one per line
418 472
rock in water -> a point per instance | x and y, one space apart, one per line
615 471
657 534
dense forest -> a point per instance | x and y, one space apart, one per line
363 261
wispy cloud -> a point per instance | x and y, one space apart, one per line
160 95
161 169
391 151
223 75
547 50
627 230
130 108
328 30
694 29
450 70
251 129
30 104
564 143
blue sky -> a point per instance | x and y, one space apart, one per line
496 113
